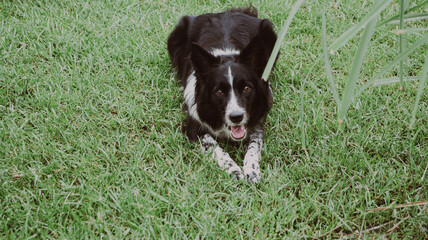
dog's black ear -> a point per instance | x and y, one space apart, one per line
202 60
256 54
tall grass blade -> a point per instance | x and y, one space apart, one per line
302 90
355 68
420 90
413 30
398 15
400 39
411 18
327 61
279 41
413 47
301 113
350 33
387 81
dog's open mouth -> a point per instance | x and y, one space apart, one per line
238 132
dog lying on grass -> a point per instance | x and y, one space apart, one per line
220 58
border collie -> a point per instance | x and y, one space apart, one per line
220 58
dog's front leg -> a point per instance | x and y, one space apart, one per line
210 145
252 158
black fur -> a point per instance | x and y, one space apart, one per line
190 46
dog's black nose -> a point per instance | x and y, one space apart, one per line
236 117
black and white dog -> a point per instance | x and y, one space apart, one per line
220 58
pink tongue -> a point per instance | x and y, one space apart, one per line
238 132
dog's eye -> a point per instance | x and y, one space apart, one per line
247 89
219 92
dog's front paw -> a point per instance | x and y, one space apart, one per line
252 174
208 143
236 173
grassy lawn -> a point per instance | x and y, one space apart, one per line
91 143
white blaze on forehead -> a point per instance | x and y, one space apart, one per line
230 77
224 52
233 105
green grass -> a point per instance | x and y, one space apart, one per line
91 146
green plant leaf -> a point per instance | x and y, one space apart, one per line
413 30
275 51
398 15
355 68
410 18
387 81
420 90
416 45
301 113
327 61
401 41
350 33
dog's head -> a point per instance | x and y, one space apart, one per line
230 93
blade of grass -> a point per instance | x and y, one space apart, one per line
400 39
279 41
420 89
410 18
412 204
416 45
327 61
302 122
396 225
387 81
355 68
302 89
350 33
407 11
413 30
